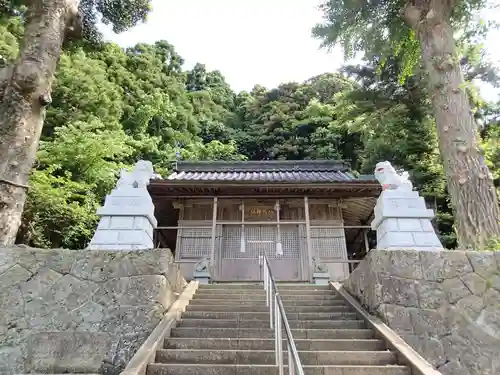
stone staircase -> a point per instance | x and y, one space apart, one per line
225 331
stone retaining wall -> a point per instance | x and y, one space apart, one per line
445 304
80 311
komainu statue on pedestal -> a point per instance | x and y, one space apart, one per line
390 179
137 178
203 265
319 267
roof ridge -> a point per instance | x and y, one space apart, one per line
268 176
264 165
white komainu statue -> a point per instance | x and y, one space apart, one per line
139 176
390 179
203 265
318 266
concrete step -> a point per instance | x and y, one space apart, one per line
260 285
251 316
299 324
268 344
283 292
263 308
234 287
265 333
267 357
183 369
262 302
262 297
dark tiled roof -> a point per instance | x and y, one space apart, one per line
289 171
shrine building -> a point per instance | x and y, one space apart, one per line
294 211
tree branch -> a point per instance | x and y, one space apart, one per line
411 15
441 10
74 30
417 13
74 25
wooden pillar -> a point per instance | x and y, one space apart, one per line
279 245
214 229
242 234
308 237
367 245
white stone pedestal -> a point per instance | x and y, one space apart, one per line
127 221
321 278
402 221
203 277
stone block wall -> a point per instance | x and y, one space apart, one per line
445 304
84 311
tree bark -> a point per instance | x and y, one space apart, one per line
24 93
469 181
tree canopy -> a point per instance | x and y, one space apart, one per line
113 106
422 36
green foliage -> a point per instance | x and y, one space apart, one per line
9 45
377 29
88 152
11 31
396 122
121 14
214 150
59 212
112 107
372 27
493 245
83 91
294 121
491 138
388 34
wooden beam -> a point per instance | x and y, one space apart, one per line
169 195
267 184
161 239
259 223
308 237
363 224
214 228
279 245
242 233
340 226
367 245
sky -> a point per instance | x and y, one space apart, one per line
265 42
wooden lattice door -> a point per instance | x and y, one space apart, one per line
241 261
238 263
329 245
287 266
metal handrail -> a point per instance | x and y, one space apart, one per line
277 317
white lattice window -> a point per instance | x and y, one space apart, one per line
328 243
231 243
290 241
258 240
194 243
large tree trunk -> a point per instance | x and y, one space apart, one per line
469 181
24 93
